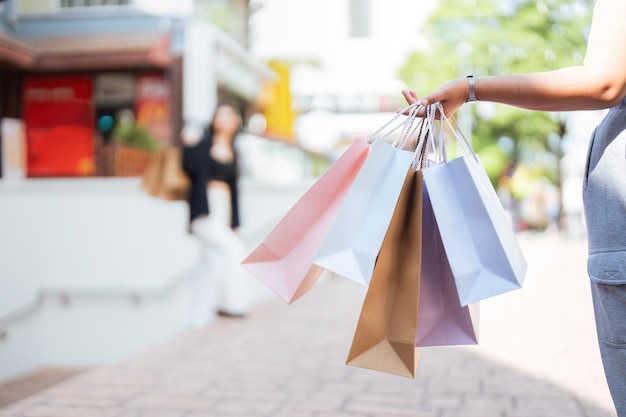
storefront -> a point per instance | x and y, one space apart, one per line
71 92
71 119
98 104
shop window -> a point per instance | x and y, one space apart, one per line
132 119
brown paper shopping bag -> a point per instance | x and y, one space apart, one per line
175 184
152 174
164 177
384 339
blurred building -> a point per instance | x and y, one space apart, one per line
91 268
344 57
69 68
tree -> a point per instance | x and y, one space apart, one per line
487 37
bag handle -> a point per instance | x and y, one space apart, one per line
424 138
456 131
428 143
412 109
408 130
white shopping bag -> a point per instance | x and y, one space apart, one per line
353 241
479 240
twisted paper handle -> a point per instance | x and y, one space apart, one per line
456 131
405 125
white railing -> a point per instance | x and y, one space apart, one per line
68 295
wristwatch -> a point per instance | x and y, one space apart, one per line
471 95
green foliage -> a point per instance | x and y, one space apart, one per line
136 136
230 17
493 160
490 37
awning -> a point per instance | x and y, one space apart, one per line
94 51
15 52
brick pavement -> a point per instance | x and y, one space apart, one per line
29 384
537 359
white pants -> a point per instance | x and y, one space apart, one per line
220 281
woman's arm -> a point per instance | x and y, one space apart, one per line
599 83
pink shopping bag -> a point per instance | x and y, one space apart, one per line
441 320
283 261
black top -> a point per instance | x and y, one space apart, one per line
201 168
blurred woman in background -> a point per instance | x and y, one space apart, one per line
210 161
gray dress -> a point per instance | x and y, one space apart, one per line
604 195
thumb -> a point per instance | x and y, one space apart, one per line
429 100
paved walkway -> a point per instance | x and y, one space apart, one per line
537 358
32 383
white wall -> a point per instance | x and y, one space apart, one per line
93 270
167 7
90 233
199 74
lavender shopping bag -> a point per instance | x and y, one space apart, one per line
441 320
353 241
483 252
283 261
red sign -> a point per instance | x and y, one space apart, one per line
152 105
59 116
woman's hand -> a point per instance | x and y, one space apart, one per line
451 95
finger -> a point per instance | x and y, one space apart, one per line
427 101
410 96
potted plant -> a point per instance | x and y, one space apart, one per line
134 145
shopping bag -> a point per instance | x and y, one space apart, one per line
175 184
283 261
384 339
152 174
483 252
354 239
441 320
164 177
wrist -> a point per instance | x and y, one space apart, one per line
471 89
